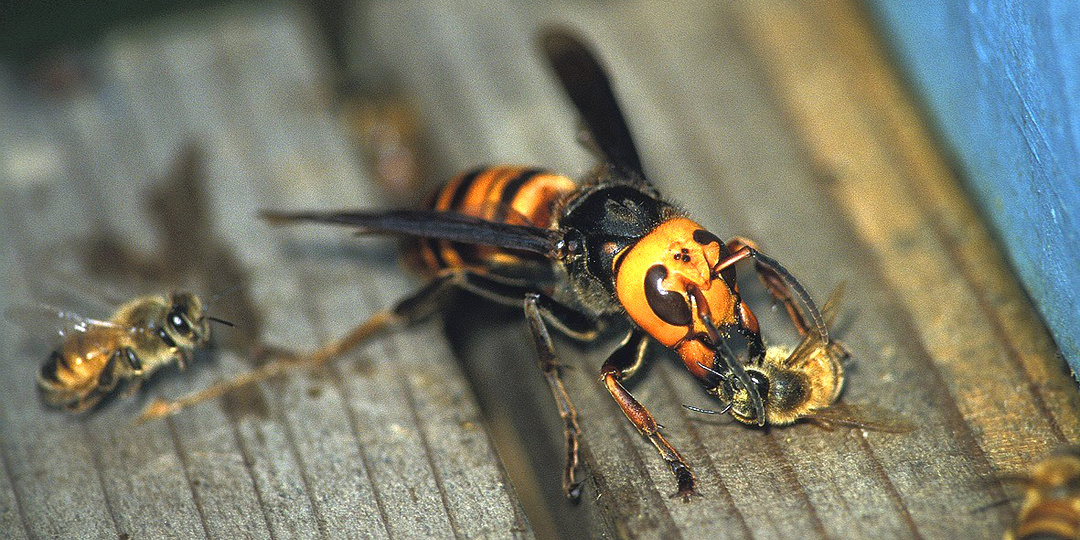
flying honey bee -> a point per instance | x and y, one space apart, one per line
1051 508
94 356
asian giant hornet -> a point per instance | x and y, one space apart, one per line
574 256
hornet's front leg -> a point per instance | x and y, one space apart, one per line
781 284
622 364
773 282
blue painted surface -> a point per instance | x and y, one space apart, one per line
1002 81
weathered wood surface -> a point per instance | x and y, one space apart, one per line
782 122
775 120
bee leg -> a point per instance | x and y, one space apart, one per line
107 379
128 355
183 358
133 387
85 403
622 364
545 351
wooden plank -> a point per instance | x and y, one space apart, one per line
921 181
719 91
777 121
50 462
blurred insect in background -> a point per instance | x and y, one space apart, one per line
387 133
1051 507
576 256
95 356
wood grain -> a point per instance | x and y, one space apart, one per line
375 451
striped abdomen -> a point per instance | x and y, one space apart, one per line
79 366
506 194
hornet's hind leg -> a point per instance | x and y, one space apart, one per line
410 309
539 308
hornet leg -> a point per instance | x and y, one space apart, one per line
781 284
623 363
540 310
774 283
410 309
545 352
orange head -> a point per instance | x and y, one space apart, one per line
669 285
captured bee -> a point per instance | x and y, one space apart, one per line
576 256
793 384
1051 508
142 336
802 384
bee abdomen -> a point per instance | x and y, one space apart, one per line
502 193
53 382
1049 520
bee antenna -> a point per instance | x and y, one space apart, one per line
708 411
222 321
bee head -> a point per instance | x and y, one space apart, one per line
186 320
784 395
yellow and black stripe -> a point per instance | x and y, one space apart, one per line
502 194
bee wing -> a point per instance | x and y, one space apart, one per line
587 85
831 307
812 343
861 416
41 318
435 224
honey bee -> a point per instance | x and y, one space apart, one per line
803 383
1051 508
94 356
793 384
